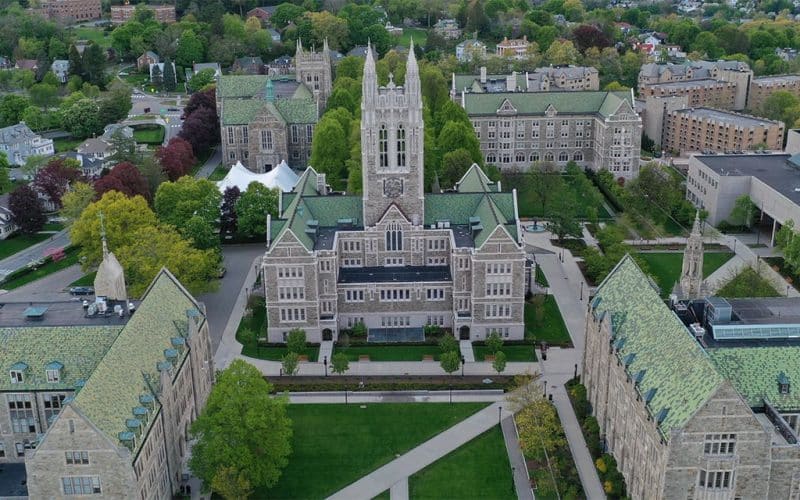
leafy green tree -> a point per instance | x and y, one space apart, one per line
253 206
44 95
12 106
82 119
546 182
329 150
169 77
286 13
450 361
540 433
231 484
561 52
494 342
454 165
94 65
499 363
290 363
743 211
359 330
457 135
296 340
783 106
177 202
75 201
75 62
349 67
200 80
448 343
339 363
190 49
242 428
202 234
562 220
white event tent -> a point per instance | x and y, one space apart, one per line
281 177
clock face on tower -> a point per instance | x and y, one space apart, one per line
393 187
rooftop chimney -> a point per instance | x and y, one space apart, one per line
483 74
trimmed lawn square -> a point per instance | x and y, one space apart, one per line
478 469
543 321
666 267
513 353
148 134
335 445
398 352
19 242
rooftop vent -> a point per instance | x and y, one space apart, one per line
697 330
35 313
784 387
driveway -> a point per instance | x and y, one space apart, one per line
34 252
219 304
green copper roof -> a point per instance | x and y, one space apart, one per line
675 367
475 181
754 372
241 85
78 349
244 111
536 103
302 110
115 386
240 111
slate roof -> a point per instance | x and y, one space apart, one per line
655 347
78 348
115 386
536 103
243 98
754 372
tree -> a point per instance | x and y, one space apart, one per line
253 206
448 343
200 79
450 361
75 201
587 36
165 247
75 62
457 135
231 484
93 63
296 340
176 158
743 211
177 202
5 179
241 428
11 108
494 342
325 25
156 76
126 179
169 76
26 210
540 433
227 219
286 13
783 106
290 363
204 99
561 52
340 363
706 43
53 179
454 165
201 129
329 150
123 147
546 182
82 119
190 50
116 104
562 218
44 95
499 363
202 234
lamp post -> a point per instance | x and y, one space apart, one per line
499 414
576 371
325 363
463 362
345 395
513 472
581 291
544 386
451 394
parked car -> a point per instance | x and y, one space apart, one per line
221 272
81 290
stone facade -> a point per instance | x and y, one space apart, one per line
123 13
764 86
699 93
314 71
394 258
600 130
735 72
706 129
71 10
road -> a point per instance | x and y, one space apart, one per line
210 164
51 288
219 304
21 259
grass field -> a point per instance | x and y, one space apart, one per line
63 145
544 323
748 284
275 353
45 270
540 278
512 352
479 469
19 242
334 445
529 205
420 37
666 267
148 134
398 352
218 174
85 280
96 35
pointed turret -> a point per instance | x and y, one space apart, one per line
696 228
369 84
691 283
299 50
109 282
269 91
412 86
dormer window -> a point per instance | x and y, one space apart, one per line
16 377
53 372
783 384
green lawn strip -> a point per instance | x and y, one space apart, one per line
19 242
748 284
779 265
666 266
478 469
63 145
97 35
53 226
420 36
276 353
540 278
383 496
546 325
149 134
334 445
398 352
85 280
45 270
201 160
218 174
512 352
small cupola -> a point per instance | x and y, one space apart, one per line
783 384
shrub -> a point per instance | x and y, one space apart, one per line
448 343
494 342
359 330
602 468
296 340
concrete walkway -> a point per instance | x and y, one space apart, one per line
229 348
325 351
522 481
21 259
725 273
399 490
385 477
465 346
358 397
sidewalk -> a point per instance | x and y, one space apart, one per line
229 349
339 397
465 346
385 477
522 482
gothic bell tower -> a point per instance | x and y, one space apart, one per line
392 135
692 272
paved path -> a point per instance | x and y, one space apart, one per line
399 490
210 164
338 397
465 346
228 348
51 288
33 252
522 481
423 455
724 273
325 351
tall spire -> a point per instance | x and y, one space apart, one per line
103 234
269 91
696 228
412 86
691 282
369 82
299 47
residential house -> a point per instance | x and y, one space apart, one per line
283 65
358 51
787 54
516 48
264 13
394 30
469 49
19 143
274 35
160 71
31 64
447 29
248 66
91 168
146 60
5 63
7 225
97 151
60 68
198 67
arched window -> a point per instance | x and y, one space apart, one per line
548 157
383 146
563 156
578 156
401 147
534 157
520 157
394 237
491 158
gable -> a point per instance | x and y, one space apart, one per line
394 214
506 108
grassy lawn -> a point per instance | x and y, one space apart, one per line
96 35
18 243
666 267
334 445
201 160
540 278
398 352
86 280
62 145
512 352
529 205
543 321
748 284
276 353
148 134
45 270
136 78
218 174
478 469
420 37
53 226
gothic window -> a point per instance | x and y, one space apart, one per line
548 157
401 147
394 237
578 156
383 146
266 140
534 157
563 156
309 132
230 135
244 135
295 135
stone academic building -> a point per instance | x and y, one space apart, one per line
395 258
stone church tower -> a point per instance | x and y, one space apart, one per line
692 274
314 69
392 135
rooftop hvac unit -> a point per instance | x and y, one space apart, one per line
697 330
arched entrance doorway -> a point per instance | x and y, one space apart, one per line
327 334
463 333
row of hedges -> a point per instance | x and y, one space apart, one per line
609 189
338 383
606 464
